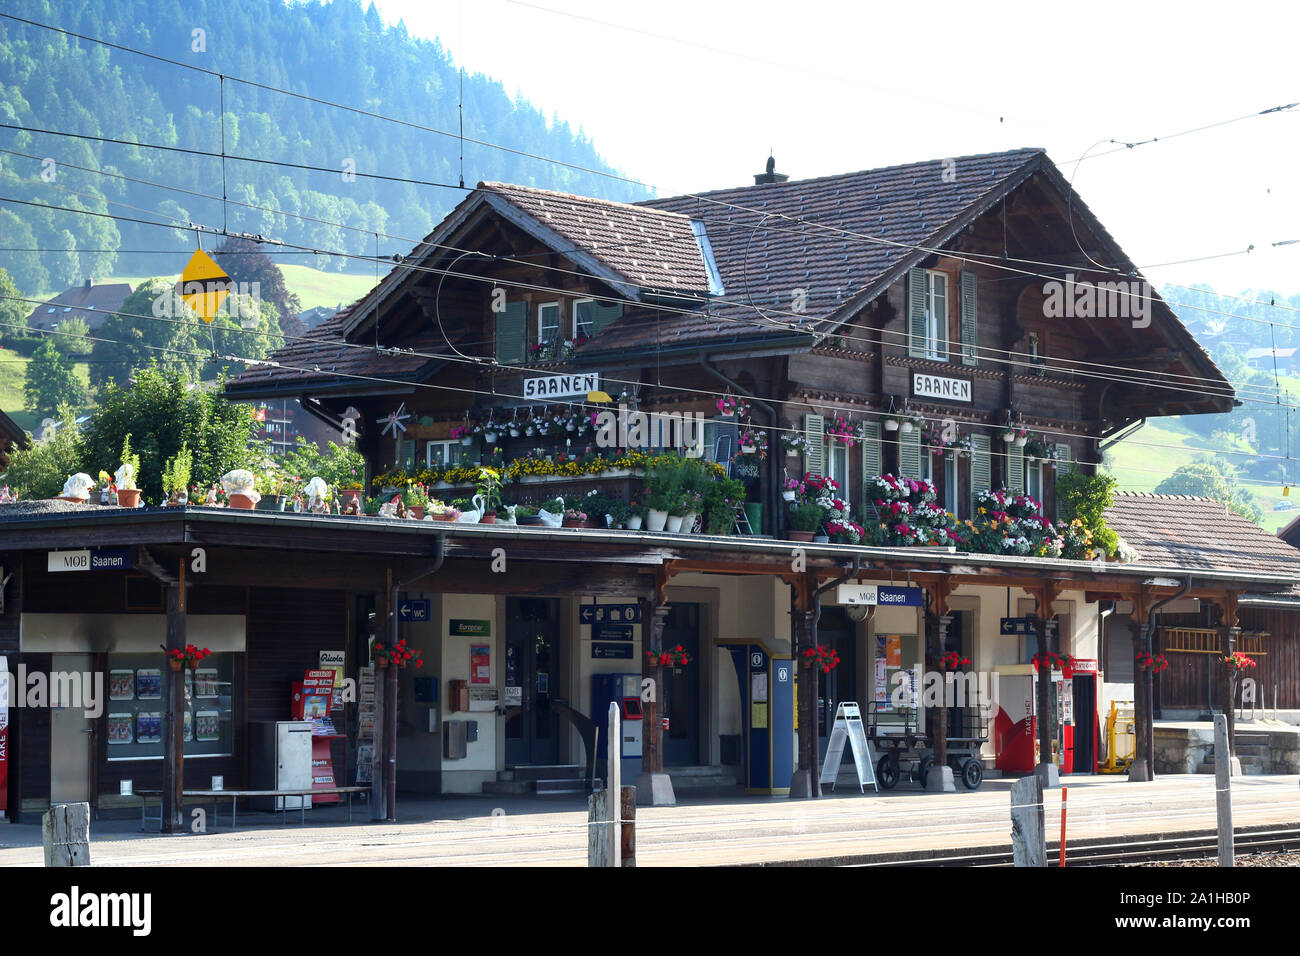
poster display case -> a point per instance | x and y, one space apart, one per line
134 719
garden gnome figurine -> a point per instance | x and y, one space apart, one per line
211 499
317 491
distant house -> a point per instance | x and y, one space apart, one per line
314 317
88 301
11 437
1287 360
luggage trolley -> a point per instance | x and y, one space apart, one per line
903 746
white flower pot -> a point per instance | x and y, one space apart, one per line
748 449
792 453
891 425
1008 437
570 426
729 414
490 437
529 431
688 524
906 427
1021 440
656 520
788 495
673 524
634 523
467 440
514 433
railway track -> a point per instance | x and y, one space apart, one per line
1194 846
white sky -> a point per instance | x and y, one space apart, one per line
857 85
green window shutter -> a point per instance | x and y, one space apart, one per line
916 313
603 314
871 462
969 319
512 324
909 454
1015 468
1063 463
814 458
1063 467
981 470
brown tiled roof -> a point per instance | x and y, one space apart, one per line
651 248
1192 533
771 239
91 304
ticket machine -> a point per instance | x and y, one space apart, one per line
625 690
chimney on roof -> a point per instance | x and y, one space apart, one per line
89 283
771 176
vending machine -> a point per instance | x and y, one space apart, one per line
1085 685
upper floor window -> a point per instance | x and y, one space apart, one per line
837 464
440 454
548 322
951 498
936 315
584 318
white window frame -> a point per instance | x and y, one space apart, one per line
578 331
837 465
951 493
559 322
449 447
1034 479
936 344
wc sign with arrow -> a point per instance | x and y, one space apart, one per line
413 610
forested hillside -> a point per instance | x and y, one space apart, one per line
338 51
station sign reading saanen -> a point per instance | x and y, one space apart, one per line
562 386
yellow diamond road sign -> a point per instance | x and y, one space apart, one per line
204 286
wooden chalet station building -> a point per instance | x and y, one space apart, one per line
898 322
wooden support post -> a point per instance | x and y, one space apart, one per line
1045 602
653 786
627 853
614 782
378 803
598 842
1223 790
1065 795
803 624
390 743
65 831
937 620
173 811
1028 835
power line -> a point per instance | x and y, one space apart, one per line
1074 372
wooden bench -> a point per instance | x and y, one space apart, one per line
234 795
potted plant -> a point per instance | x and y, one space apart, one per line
730 407
489 486
190 657
438 511
464 432
176 476
241 488
911 422
793 488
822 658
805 519
635 516
663 493
795 444
891 424
753 441
415 497
842 429
526 515
107 493
1020 437
400 654
574 518
128 494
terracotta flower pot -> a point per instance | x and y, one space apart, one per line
128 498
382 663
799 535
176 665
488 519
237 500
574 523
347 495
417 511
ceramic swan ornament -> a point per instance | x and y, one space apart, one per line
317 496
78 486
472 517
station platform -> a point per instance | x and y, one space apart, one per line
845 827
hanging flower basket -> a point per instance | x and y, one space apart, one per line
677 657
891 424
952 661
1155 663
823 657
400 654
1052 661
190 657
1239 661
